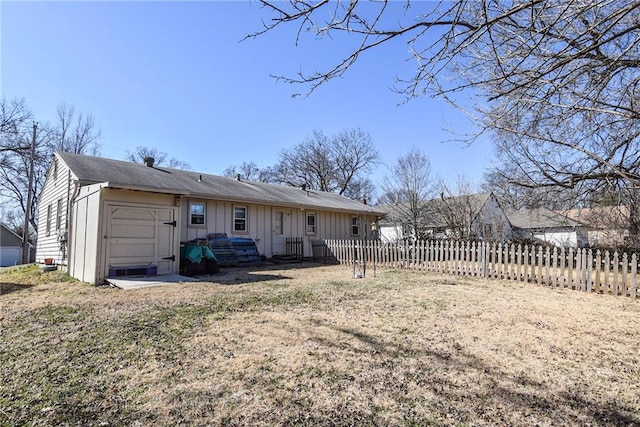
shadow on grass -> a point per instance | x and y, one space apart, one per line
573 405
8 288
252 273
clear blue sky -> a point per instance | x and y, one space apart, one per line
176 76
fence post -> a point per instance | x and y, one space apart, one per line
634 278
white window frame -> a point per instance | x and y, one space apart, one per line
48 224
59 214
355 226
311 228
240 219
193 215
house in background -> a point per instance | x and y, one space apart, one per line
475 217
607 226
10 247
99 217
548 226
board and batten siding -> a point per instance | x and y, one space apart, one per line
261 224
53 214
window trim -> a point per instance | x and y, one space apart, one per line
245 219
59 214
48 223
193 203
355 225
314 226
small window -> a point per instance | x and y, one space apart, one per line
59 215
355 229
240 219
197 213
48 227
311 223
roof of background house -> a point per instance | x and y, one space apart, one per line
540 218
8 237
601 216
135 176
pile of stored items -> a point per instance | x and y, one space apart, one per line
196 258
233 251
206 256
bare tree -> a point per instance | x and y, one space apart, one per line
407 190
70 132
76 133
250 171
160 158
558 81
339 163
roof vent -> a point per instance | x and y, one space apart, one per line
304 187
149 161
238 177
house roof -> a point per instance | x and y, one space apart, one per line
541 218
134 176
8 237
609 217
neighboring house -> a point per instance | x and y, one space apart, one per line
101 217
10 247
607 225
476 216
549 226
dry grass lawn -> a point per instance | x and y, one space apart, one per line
310 345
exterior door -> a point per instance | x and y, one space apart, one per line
139 237
281 219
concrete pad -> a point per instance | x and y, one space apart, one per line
137 282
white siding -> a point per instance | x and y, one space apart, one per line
260 224
58 186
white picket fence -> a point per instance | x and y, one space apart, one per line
578 269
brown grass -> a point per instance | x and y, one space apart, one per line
311 345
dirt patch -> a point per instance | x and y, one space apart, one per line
309 345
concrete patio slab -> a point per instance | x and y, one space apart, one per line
138 282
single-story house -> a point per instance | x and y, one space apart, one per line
475 216
549 226
10 247
99 217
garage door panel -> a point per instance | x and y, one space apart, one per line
133 213
146 231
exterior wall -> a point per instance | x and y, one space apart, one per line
53 208
492 215
563 237
84 234
390 232
261 224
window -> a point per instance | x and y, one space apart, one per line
311 223
197 213
355 229
278 227
48 228
59 214
240 219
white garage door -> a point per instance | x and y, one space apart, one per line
140 237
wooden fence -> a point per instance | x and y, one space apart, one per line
578 269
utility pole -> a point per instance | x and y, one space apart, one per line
27 212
